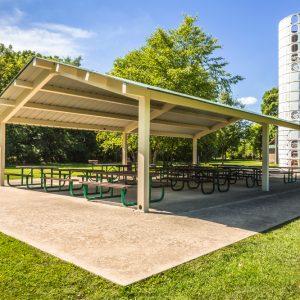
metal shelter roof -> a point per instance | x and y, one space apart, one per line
48 93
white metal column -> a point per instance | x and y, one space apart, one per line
143 154
265 157
2 153
195 151
124 149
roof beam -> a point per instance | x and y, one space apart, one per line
58 124
44 64
213 128
7 102
78 111
171 134
39 82
154 114
90 127
179 124
23 84
100 114
106 82
180 111
78 94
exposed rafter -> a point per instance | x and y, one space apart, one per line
78 94
78 111
180 124
80 126
214 128
172 134
180 111
6 102
101 114
39 82
58 124
154 114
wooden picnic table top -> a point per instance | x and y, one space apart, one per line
37 167
121 173
113 165
285 167
76 169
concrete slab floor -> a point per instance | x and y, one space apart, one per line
125 246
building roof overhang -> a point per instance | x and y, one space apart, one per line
48 93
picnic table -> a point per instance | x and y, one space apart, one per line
28 176
115 166
114 181
289 172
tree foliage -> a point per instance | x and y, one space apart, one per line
182 60
179 59
269 105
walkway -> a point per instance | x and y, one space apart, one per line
125 246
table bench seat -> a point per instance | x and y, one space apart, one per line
62 179
107 184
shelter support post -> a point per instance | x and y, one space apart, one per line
195 151
124 149
143 154
2 153
265 157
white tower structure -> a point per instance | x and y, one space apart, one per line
289 89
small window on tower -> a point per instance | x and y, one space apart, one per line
294 38
295 48
294 154
294 144
294 162
295 19
294 57
295 115
294 28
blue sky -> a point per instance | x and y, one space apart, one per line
100 31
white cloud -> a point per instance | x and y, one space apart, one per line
45 38
72 31
247 100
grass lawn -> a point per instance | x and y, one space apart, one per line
266 266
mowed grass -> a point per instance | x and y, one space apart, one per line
265 266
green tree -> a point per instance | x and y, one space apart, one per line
255 139
229 138
269 105
182 60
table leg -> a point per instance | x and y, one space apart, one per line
22 180
42 176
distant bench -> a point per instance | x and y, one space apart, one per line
289 176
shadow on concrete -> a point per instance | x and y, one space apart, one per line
240 207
